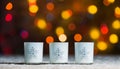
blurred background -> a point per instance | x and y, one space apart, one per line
70 21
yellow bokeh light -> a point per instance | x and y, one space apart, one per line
111 1
62 37
41 24
94 34
66 14
116 24
32 1
33 8
9 6
117 12
59 31
92 9
102 45
113 38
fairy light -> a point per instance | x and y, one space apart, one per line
59 30
116 24
94 34
102 45
8 17
9 6
41 24
113 38
117 12
66 14
50 6
49 39
33 9
62 37
92 9
104 29
77 37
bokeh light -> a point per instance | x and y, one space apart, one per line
9 6
59 30
117 12
66 14
41 24
33 9
24 34
77 7
62 37
94 34
50 6
111 1
92 9
101 45
8 17
71 26
77 37
49 39
32 1
104 29
116 24
113 38
49 16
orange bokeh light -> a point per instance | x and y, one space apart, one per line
77 37
9 6
49 39
50 6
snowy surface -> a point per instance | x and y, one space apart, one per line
100 62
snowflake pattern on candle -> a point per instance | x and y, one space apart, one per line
83 53
58 54
33 52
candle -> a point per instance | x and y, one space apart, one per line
58 52
84 52
33 52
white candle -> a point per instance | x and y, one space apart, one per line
33 52
58 52
84 52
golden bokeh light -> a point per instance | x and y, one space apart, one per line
62 37
77 37
9 6
116 24
94 34
33 8
117 12
111 1
66 14
59 31
92 9
50 6
41 24
32 1
49 39
102 45
113 38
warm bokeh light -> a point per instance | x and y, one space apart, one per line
71 26
77 37
9 6
104 29
116 24
117 12
94 34
111 1
102 45
50 6
59 30
8 17
113 38
49 39
33 8
41 24
24 34
66 14
62 37
92 9
31 1
77 7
